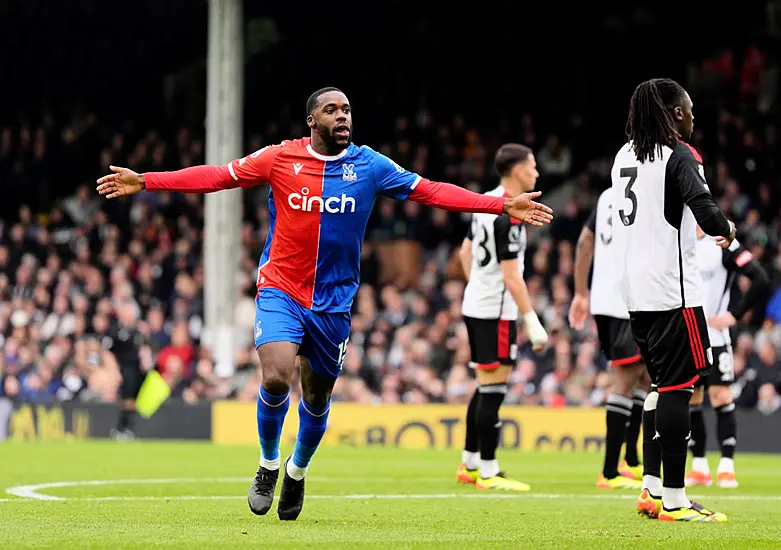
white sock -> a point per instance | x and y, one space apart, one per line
489 468
653 484
294 471
269 464
471 460
700 464
726 465
675 498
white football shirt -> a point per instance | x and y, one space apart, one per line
605 298
494 239
719 267
654 231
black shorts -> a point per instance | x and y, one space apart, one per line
617 341
723 373
674 345
492 342
132 378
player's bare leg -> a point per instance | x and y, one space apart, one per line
617 417
313 416
630 467
278 364
492 389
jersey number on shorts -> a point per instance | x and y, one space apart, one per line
342 352
630 173
725 367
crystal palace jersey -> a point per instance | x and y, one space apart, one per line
494 239
319 207
605 298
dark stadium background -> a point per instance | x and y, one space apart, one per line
85 83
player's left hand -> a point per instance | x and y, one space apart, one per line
578 312
723 321
537 334
525 209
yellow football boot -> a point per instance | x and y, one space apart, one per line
648 505
463 475
501 483
618 482
696 512
631 472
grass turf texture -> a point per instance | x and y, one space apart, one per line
359 498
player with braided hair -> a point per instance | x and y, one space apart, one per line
660 197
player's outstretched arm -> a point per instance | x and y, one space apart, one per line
394 181
245 172
584 255
451 197
123 182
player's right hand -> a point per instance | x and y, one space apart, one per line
725 242
578 312
122 183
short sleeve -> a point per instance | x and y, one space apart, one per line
687 172
256 167
391 179
591 222
508 238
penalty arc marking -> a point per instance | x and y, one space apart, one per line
32 493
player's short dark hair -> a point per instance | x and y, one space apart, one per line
508 156
651 124
311 103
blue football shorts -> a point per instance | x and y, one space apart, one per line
322 336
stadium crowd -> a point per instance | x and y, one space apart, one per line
71 263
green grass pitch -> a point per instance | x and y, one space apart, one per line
193 495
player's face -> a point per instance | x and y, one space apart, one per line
526 172
333 120
685 117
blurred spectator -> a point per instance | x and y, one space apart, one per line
68 258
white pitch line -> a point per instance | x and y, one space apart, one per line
28 493
31 491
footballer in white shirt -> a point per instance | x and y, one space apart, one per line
719 268
492 256
628 375
660 197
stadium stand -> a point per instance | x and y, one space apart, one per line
66 256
